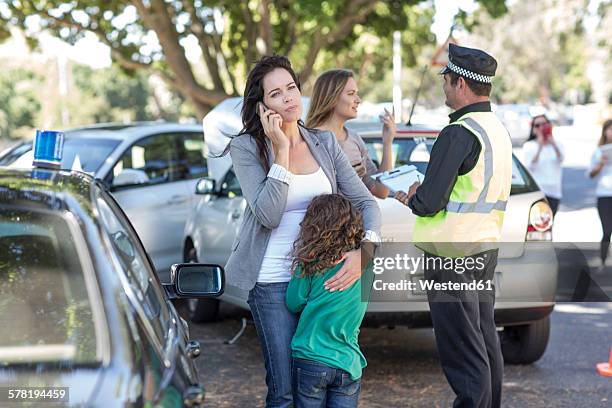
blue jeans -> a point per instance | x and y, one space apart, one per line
317 385
275 326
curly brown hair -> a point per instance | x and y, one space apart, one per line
330 228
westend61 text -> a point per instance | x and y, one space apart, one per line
429 285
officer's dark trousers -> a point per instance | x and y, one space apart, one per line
466 337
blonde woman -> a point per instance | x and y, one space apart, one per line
335 100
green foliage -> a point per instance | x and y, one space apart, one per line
19 104
300 29
316 35
115 95
542 51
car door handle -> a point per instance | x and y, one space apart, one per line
177 199
236 214
193 349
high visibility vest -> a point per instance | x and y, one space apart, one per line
472 220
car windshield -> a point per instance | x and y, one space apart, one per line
45 309
82 154
416 151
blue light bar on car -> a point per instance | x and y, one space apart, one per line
48 149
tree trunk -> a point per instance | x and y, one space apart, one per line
158 19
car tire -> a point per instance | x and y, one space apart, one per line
200 310
525 344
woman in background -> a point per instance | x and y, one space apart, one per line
335 100
543 155
601 170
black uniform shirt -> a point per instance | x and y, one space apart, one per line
454 153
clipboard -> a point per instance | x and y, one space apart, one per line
400 178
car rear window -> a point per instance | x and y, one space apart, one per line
45 309
416 151
82 154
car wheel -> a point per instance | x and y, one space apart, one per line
200 310
525 344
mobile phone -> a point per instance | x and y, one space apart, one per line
547 131
257 109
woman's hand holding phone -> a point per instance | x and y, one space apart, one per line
272 122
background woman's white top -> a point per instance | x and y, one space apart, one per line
276 266
604 178
548 170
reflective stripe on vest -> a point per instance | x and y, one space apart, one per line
481 205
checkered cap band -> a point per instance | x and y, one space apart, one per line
469 74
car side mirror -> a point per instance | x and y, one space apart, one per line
194 280
206 186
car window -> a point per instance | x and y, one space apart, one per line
522 182
82 154
193 152
153 160
230 187
15 153
46 311
416 151
134 263
413 151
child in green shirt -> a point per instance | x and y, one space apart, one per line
327 361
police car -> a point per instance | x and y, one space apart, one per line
85 319
151 169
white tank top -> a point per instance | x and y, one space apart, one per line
276 265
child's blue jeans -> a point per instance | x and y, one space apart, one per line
318 385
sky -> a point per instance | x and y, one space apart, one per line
445 11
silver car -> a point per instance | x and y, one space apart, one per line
151 169
525 278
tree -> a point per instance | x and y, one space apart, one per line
114 96
19 105
604 43
541 48
150 35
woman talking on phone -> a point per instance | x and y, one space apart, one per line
281 165
543 155
335 100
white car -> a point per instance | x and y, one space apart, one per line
525 278
151 169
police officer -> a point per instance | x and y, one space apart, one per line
460 210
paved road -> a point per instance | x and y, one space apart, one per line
403 368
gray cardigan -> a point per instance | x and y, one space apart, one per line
266 198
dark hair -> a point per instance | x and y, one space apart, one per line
478 88
532 135
331 227
602 139
253 93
